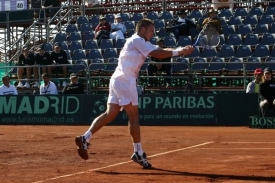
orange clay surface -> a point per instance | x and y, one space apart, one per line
48 154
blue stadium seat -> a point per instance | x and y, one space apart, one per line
216 64
226 51
48 47
110 53
74 36
272 28
268 39
88 36
182 64
152 16
106 43
229 29
69 57
120 43
260 29
270 10
71 28
82 20
227 13
96 65
111 65
91 44
159 24
261 51
78 68
234 64
85 27
194 32
125 17
222 40
162 33
250 19
236 20
234 39
196 14
94 20
153 40
272 52
223 21
110 18
136 17
60 37
243 51
258 11
64 46
266 19
251 39
194 54
269 62
199 64
170 42
166 16
129 25
76 45
94 54
184 41
243 12
255 63
244 29
78 55
208 53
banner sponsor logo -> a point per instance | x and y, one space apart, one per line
261 122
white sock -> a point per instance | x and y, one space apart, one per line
88 136
138 148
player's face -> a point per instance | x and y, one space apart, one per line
148 32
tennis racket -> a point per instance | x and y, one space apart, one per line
208 38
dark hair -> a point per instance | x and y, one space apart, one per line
46 75
145 22
6 76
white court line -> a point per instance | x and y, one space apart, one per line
246 142
241 148
121 163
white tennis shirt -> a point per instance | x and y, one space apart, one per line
49 89
11 90
132 57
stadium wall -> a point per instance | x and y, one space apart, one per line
178 109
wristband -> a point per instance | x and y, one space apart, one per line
175 53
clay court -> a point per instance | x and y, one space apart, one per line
36 154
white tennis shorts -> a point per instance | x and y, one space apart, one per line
122 92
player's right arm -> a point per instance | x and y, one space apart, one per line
168 52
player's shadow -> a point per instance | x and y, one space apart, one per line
193 174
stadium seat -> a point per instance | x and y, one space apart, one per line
243 12
227 13
251 39
266 19
196 14
235 21
159 24
170 42
94 54
85 27
234 39
136 17
222 40
184 41
272 28
255 63
261 51
91 44
153 40
82 20
166 16
260 29
194 32
216 64
162 33
229 29
152 16
272 52
74 36
120 43
208 53
94 20
269 62
226 51
258 11
244 29
243 51
181 65
71 28
60 37
268 39
125 17
223 21
106 43
88 36
97 65
82 67
110 18
110 53
270 10
250 19
78 55
48 47
64 46
234 64
129 25
194 54
69 57
199 64
76 45
111 65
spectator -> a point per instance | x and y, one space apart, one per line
254 86
154 67
118 29
223 3
44 58
181 26
27 58
102 30
6 88
54 6
267 91
48 87
60 57
213 20
74 87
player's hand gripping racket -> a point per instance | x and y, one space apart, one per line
208 38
